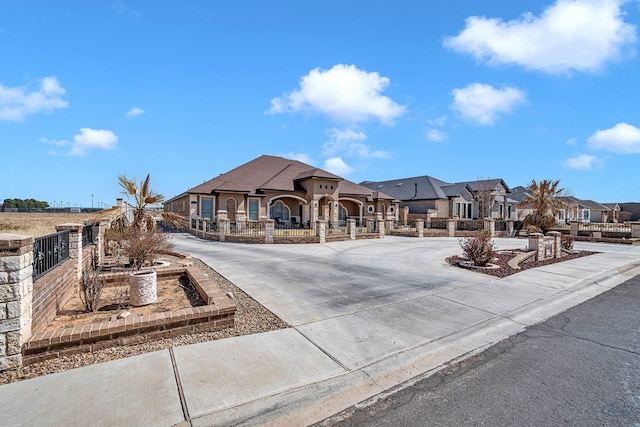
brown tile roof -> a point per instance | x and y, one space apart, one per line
278 174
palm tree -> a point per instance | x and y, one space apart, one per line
144 197
545 200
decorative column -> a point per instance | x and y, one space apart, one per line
16 296
490 226
75 247
635 230
420 227
536 243
269 230
510 228
351 228
380 224
222 227
573 228
321 229
557 248
404 215
451 227
103 224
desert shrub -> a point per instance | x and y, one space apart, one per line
543 222
566 241
141 247
479 249
92 285
533 229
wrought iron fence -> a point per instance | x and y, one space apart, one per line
501 225
87 235
437 224
49 251
610 227
246 228
469 224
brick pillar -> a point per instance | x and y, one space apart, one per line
388 224
635 229
380 224
451 227
103 225
490 226
557 248
509 228
222 227
351 228
420 227
536 243
321 230
573 228
16 295
404 215
75 247
269 230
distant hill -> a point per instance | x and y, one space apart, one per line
631 209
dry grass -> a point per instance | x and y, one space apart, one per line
39 223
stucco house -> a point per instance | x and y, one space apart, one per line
289 191
584 211
466 200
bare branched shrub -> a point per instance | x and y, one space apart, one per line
142 246
566 241
478 249
92 285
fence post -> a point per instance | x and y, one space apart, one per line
321 229
269 230
75 247
351 228
420 227
509 227
380 224
222 228
635 230
451 227
405 215
490 226
573 228
103 225
557 249
16 296
536 243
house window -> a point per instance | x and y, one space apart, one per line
563 215
509 212
586 215
206 207
254 206
279 211
500 211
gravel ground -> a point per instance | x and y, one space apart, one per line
251 318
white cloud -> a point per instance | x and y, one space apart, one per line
436 135
348 141
90 139
482 103
337 166
581 162
135 111
569 35
438 121
301 157
344 93
56 142
572 141
622 138
17 103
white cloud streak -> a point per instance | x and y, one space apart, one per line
482 103
580 35
436 135
135 111
343 93
337 166
93 139
581 162
18 102
622 138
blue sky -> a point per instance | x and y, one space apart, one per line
370 90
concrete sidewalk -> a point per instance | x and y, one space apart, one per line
366 316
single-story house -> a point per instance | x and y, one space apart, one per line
584 211
288 191
428 195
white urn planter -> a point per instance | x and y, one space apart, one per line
143 288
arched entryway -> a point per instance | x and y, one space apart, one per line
231 209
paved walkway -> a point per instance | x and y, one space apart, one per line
366 316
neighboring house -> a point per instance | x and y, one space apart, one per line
614 211
629 211
428 195
583 211
288 191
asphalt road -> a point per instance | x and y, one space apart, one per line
579 368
